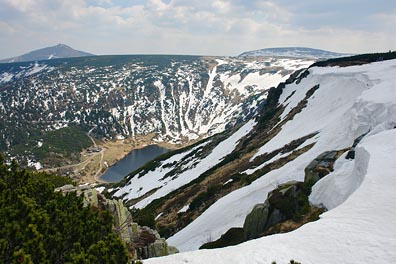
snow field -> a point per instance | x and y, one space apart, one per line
349 102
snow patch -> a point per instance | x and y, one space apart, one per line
36 69
184 208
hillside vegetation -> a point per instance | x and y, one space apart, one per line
41 226
56 148
357 59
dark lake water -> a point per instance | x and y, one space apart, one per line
134 160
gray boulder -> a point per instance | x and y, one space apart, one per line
256 220
283 203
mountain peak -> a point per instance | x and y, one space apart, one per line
54 52
61 45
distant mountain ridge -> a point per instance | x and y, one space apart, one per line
294 52
48 53
168 98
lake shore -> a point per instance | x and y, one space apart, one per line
113 151
131 162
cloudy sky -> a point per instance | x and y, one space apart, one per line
204 27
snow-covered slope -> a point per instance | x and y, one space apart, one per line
359 193
138 184
168 98
294 52
361 230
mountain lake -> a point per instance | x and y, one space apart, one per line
134 160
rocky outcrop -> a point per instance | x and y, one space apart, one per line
256 220
351 152
148 244
286 208
172 250
288 201
141 242
320 166
232 237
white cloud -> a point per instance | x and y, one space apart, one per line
21 5
5 27
157 5
386 20
216 27
221 6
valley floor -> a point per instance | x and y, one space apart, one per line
94 163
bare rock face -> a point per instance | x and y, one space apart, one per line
149 244
320 166
256 220
142 242
281 204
